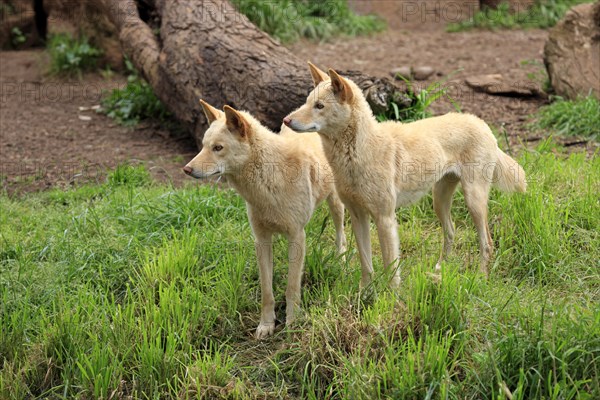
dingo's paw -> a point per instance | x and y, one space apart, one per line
290 320
290 313
264 330
395 282
342 253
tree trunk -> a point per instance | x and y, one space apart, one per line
194 49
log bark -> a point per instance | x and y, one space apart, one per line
199 49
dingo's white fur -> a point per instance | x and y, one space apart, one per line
283 178
381 166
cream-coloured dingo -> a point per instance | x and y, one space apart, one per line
282 178
379 167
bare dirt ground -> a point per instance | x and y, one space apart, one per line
47 141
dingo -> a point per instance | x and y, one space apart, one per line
381 166
283 178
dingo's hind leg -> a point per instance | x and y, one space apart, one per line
443 191
476 197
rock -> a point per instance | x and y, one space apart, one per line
572 52
417 73
399 72
422 73
496 84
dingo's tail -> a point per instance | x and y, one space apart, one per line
509 176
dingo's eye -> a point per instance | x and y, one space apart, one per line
320 105
218 148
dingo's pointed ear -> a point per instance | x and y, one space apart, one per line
340 86
318 76
211 113
236 122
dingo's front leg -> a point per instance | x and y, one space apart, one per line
360 226
387 229
264 253
296 253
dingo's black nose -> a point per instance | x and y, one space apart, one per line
187 170
287 121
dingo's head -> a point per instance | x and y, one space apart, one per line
328 108
225 147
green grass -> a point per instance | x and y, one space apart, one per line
543 14
71 56
289 20
135 102
579 117
131 288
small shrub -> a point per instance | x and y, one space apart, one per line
579 117
17 37
290 20
420 102
543 14
71 56
134 102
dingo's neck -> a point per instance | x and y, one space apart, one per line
260 175
351 141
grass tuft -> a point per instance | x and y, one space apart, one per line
542 14
579 117
289 20
128 175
